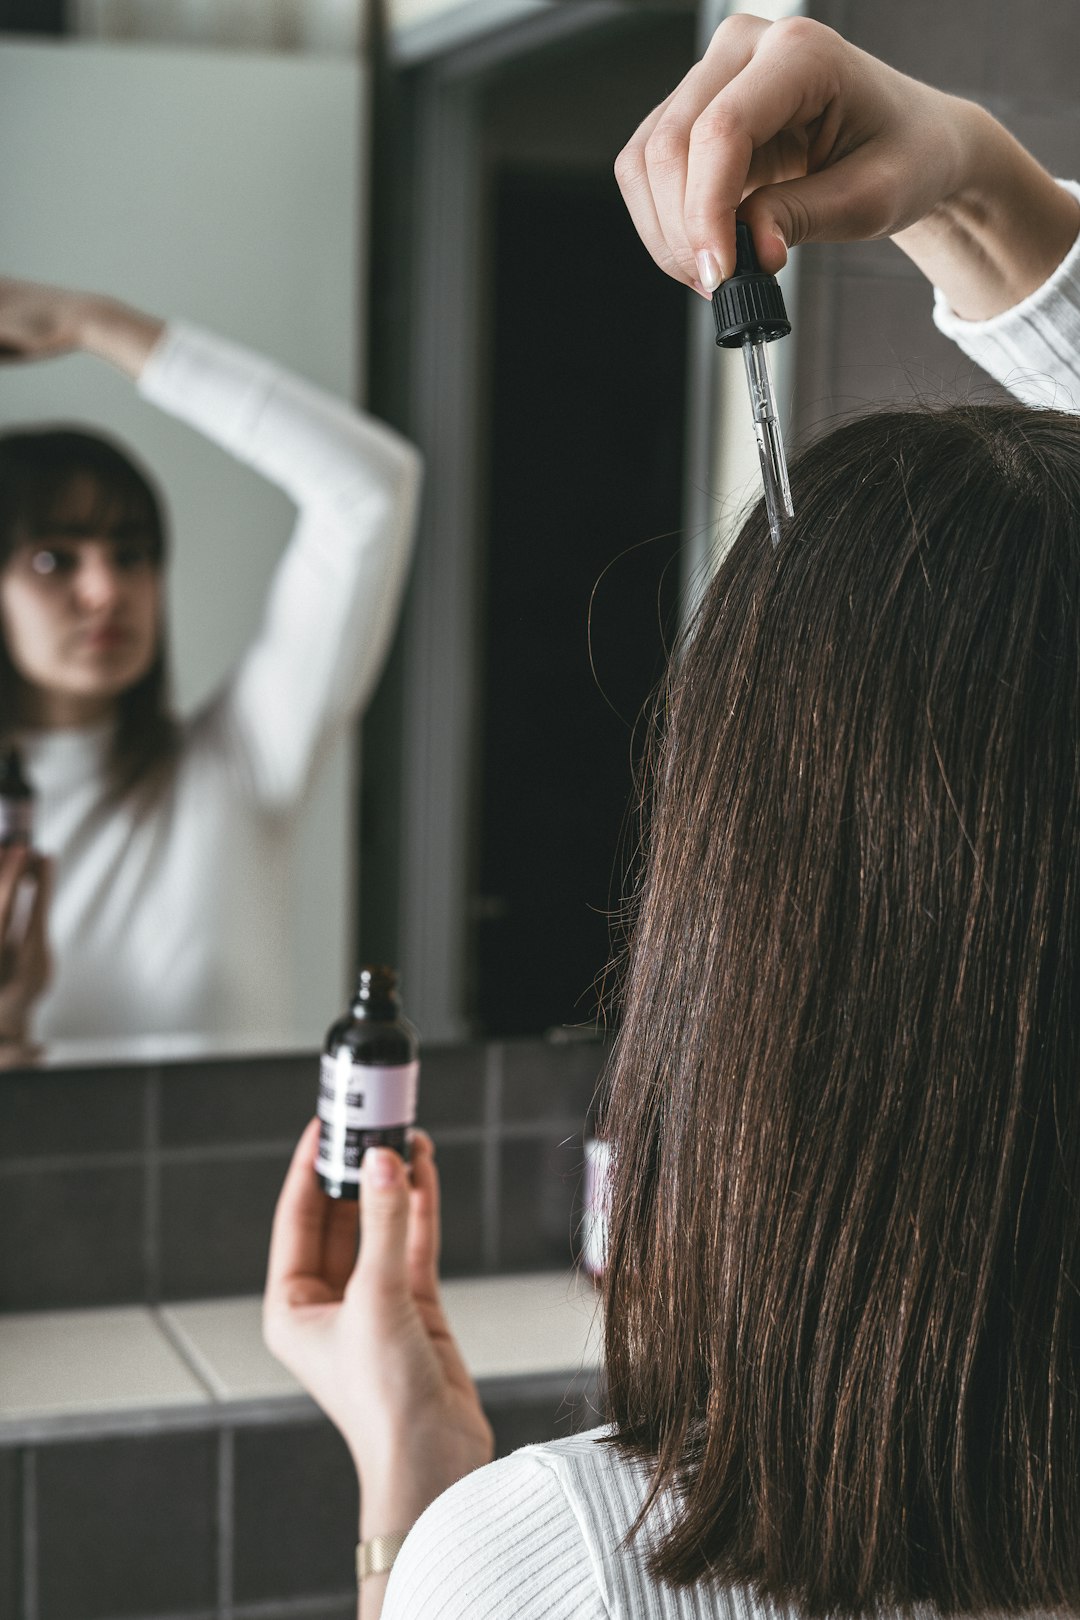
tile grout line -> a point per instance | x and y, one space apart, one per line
492 1187
301 1608
225 1507
210 1153
152 1186
190 1354
29 1534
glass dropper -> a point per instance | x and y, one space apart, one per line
749 312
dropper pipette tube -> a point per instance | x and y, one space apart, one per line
749 312
770 441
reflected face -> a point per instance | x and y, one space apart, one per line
80 605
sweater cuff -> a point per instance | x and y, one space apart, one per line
1031 348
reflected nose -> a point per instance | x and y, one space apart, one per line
98 583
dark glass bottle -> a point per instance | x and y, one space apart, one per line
367 1082
16 800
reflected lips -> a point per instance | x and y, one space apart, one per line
107 639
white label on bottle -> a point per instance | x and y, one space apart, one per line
367 1097
594 1226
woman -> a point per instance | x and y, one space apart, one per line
842 1324
172 840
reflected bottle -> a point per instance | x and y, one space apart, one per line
368 1082
16 800
597 1203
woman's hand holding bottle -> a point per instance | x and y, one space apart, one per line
811 139
366 1334
25 962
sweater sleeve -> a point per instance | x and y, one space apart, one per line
502 1544
1033 349
335 595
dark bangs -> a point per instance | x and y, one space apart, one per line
75 482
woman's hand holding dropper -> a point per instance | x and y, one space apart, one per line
811 140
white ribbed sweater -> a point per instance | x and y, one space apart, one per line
539 1535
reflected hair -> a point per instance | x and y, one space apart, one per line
38 468
843 1326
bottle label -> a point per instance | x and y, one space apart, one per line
16 820
354 1099
594 1225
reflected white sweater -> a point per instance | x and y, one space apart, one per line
174 918
539 1535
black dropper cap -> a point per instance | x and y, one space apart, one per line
749 304
376 991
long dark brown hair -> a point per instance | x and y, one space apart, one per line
843 1321
38 469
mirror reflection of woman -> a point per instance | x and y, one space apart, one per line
172 838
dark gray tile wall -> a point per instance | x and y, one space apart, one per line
296 1513
544 1081
240 1102
98 1502
86 1111
10 1532
73 1235
551 1411
215 1220
159 1183
865 333
216 1524
539 1201
461 1180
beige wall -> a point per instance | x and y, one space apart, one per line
865 330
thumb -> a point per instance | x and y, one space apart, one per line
384 1221
851 201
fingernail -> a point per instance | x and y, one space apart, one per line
380 1166
708 271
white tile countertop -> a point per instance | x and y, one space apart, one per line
96 1370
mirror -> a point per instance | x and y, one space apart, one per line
227 189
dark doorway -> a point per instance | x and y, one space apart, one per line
580 594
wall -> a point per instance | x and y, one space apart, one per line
865 329
280 25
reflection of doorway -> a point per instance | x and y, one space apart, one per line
586 403
505 146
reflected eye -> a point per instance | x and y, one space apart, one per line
131 556
51 560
